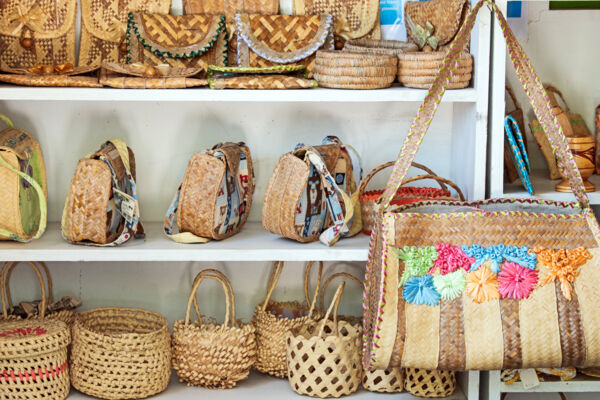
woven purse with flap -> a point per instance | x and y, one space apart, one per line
312 194
183 41
37 32
23 191
102 207
214 200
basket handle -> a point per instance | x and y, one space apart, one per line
377 169
333 306
49 297
529 80
512 96
197 281
331 278
552 90
6 120
218 273
43 304
439 180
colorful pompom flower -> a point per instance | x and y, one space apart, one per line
482 285
417 260
450 286
516 282
450 258
420 290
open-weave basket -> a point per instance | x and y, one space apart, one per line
381 47
33 359
66 316
427 383
404 195
273 319
324 358
208 354
346 70
120 353
419 69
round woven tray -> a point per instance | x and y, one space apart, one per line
383 47
330 58
356 71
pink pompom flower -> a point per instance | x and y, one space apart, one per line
516 282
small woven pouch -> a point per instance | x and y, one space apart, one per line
64 75
275 77
140 76
102 207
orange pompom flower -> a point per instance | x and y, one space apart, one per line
482 284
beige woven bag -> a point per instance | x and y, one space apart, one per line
102 208
209 354
274 319
324 357
37 32
214 200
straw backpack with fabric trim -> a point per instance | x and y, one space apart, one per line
309 193
214 200
484 285
23 191
102 207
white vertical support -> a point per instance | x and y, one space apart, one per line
470 121
496 117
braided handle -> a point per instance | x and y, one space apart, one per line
530 82
43 304
381 167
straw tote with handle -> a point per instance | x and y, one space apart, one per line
23 189
273 319
404 195
484 285
208 354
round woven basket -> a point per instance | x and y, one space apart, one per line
420 69
273 319
324 358
404 195
208 354
382 47
426 383
120 353
66 316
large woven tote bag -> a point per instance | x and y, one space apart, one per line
502 283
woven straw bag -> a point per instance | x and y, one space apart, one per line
120 353
382 47
37 32
52 311
425 383
305 203
420 69
214 200
501 283
439 20
23 190
104 28
140 76
273 319
324 357
404 194
102 208
276 77
267 40
33 359
182 41
208 354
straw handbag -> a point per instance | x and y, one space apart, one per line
120 353
324 357
37 32
304 201
140 76
33 359
273 319
435 22
267 40
182 41
23 191
501 283
404 194
104 28
63 310
214 200
102 208
276 77
208 354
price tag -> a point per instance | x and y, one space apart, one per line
529 378
129 208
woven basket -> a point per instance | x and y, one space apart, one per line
381 47
208 354
120 353
324 358
33 359
419 69
274 319
345 70
426 383
66 316
404 195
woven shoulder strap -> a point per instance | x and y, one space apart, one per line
529 80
